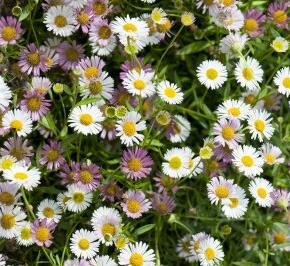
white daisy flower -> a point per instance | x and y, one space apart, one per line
184 248
22 176
77 3
259 124
219 189
106 223
233 109
280 45
212 74
195 165
24 234
86 119
282 80
5 95
103 85
169 92
249 73
187 18
137 254
8 194
19 121
132 28
128 128
233 43
50 210
176 162
139 83
271 154
103 50
249 97
103 261
10 219
84 244
77 198
195 245
236 204
6 162
261 189
158 15
248 160
181 129
210 252
60 20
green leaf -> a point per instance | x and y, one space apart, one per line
48 122
144 229
194 47
244 263
88 101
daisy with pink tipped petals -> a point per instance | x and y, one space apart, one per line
41 231
10 30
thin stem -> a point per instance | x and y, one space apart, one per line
26 203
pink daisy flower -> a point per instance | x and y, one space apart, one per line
100 8
100 32
35 104
165 183
111 191
10 30
40 84
69 173
278 13
223 153
162 203
32 60
41 232
89 176
69 55
254 20
135 204
51 155
281 199
108 130
128 66
121 96
225 132
136 163
83 18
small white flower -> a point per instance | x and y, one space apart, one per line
282 80
169 92
5 94
261 189
24 234
271 154
233 109
249 73
103 261
233 43
50 210
158 16
181 129
280 45
212 74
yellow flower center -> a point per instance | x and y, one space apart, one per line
78 197
95 87
278 45
25 234
209 253
248 73
21 175
134 164
33 58
136 259
72 54
196 245
163 207
213 166
170 92
165 27
250 99
156 15
99 8
286 82
16 124
52 155
129 128
208 2
120 242
211 73
228 133
222 192
262 192
48 212
105 32
227 2
187 19
111 190
6 164
86 177
8 221
91 72
251 25
108 229
130 27
205 152
175 162
234 111
280 16
279 238
86 119
133 206
8 33
260 125
60 21
247 160
34 104
270 158
234 202
83 18
139 84
6 198
18 153
84 244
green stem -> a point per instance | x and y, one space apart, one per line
157 234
